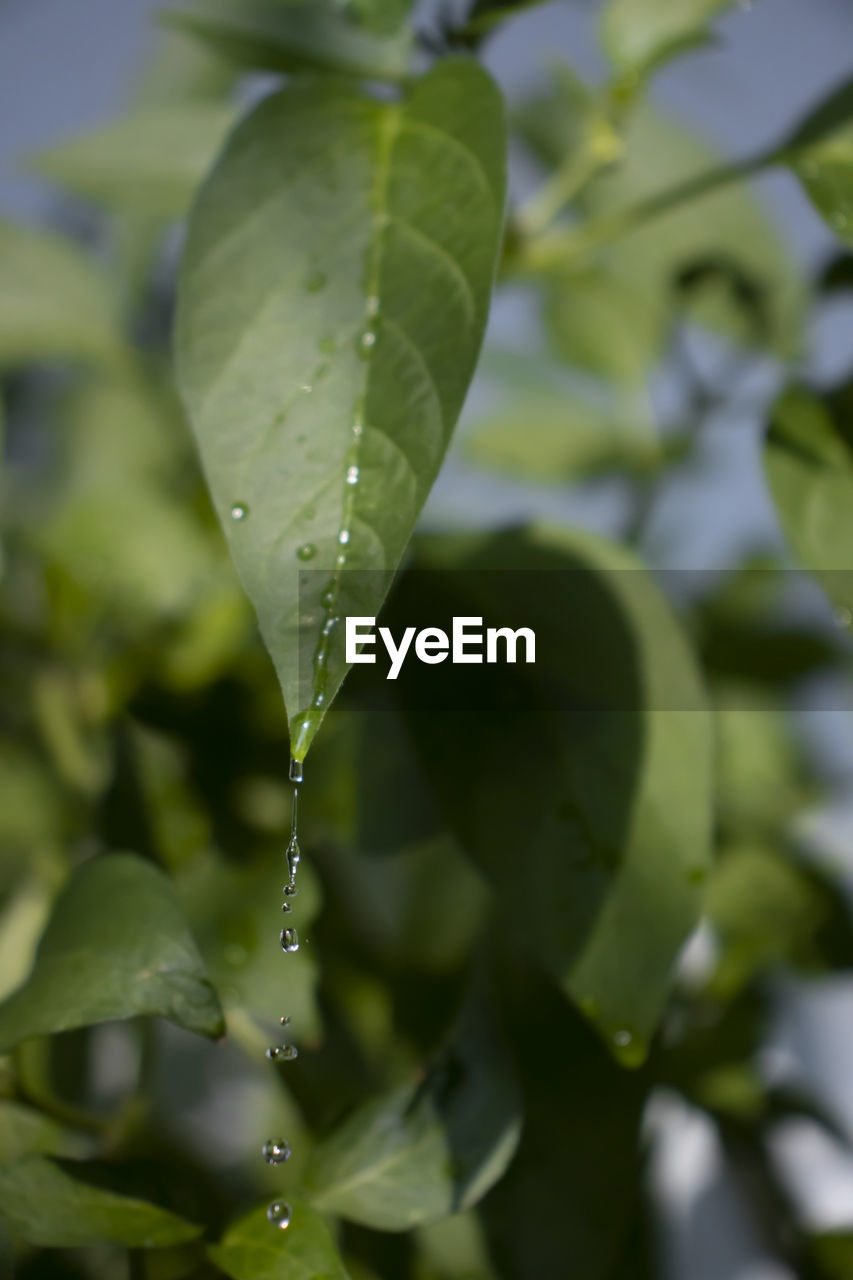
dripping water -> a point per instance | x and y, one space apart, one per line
276 1151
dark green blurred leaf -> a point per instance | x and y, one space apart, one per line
569 1196
820 151
485 15
425 1152
253 1250
116 945
580 785
56 303
809 465
26 1132
44 1205
422 183
148 163
833 1254
286 35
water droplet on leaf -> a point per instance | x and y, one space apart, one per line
239 511
352 475
306 552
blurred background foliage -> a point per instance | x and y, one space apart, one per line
497 1020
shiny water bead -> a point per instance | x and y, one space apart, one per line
285 1020
352 475
280 1214
289 940
275 1151
286 907
282 1053
239 511
290 890
306 552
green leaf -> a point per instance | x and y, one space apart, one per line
640 34
147 163
724 226
117 529
378 311
26 1132
425 1152
253 1250
809 466
116 946
600 324
820 151
580 785
56 304
485 15
289 35
44 1205
576 1180
553 441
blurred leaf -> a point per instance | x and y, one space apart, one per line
640 34
25 1132
46 1206
248 295
233 909
485 15
760 777
599 323
118 529
253 1250
766 911
826 172
837 275
555 121
56 304
147 163
453 1249
116 946
581 785
745 637
725 225
553 441
570 1194
425 1152
286 35
832 1252
809 466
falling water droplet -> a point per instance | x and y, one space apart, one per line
282 1053
280 1214
239 511
306 552
352 475
290 890
289 940
314 281
286 907
275 1151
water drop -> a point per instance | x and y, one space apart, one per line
289 940
280 1214
352 475
314 281
357 429
340 560
343 537
239 511
275 1151
368 339
622 1038
329 626
290 890
282 1053
286 907
306 388
285 1020
295 772
306 552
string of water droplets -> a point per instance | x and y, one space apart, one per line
275 1150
